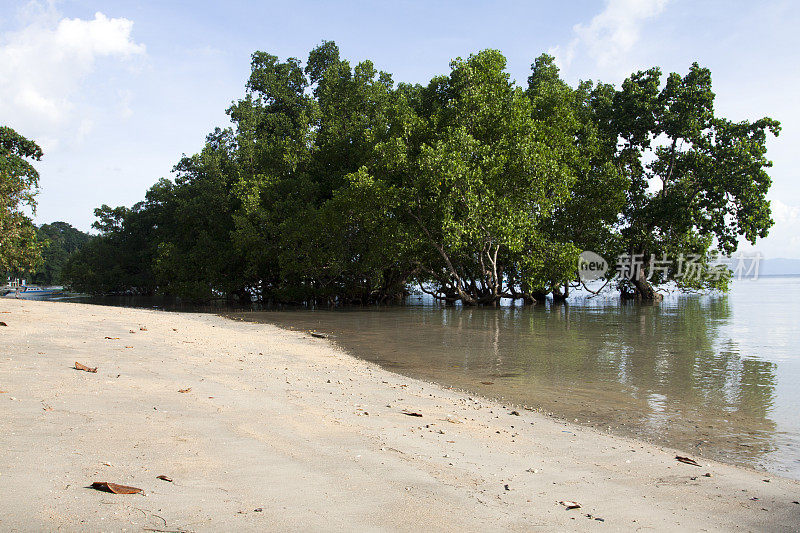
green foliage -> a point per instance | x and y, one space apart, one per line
698 182
335 185
19 184
588 220
120 259
60 241
473 180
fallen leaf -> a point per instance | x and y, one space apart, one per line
129 346
3 324
408 413
185 390
570 505
113 487
85 368
113 338
487 382
165 478
142 328
687 460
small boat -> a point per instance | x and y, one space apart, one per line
32 291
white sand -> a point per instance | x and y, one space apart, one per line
315 439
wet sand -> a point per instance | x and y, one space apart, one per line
665 374
281 430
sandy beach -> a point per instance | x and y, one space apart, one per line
278 430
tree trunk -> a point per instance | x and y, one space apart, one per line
644 290
559 296
539 297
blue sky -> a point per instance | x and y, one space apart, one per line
115 92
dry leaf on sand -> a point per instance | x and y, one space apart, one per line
79 366
115 488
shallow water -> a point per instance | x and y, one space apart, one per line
716 376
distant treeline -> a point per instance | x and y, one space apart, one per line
336 185
61 241
57 242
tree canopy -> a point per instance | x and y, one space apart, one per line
335 184
60 240
19 185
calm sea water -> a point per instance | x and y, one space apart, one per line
715 375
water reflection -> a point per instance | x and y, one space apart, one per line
713 375
666 373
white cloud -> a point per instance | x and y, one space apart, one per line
125 96
44 65
784 236
85 128
783 213
611 35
